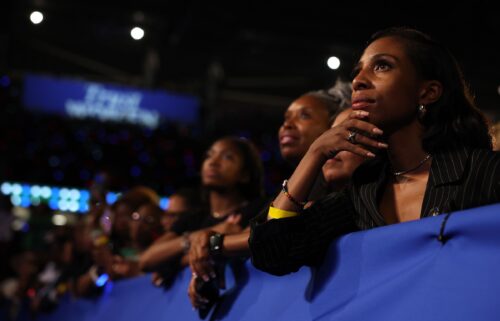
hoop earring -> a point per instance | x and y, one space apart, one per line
422 111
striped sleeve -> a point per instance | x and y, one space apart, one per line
283 246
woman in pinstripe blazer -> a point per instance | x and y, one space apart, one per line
429 146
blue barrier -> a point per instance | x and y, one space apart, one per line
398 272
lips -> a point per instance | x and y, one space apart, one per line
211 173
287 139
362 102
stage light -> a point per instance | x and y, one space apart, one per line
74 194
36 191
36 17
6 188
137 33
17 189
45 192
333 63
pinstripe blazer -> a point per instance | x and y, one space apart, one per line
459 178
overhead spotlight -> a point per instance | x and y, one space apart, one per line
137 33
333 63
36 17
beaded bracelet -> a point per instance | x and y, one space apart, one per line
290 197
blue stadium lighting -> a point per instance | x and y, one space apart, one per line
15 200
74 194
63 205
64 193
17 189
73 207
53 204
45 192
25 201
36 191
111 197
26 190
58 198
84 196
6 188
164 202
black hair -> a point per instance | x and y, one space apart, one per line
454 118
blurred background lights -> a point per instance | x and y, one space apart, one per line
137 33
333 63
58 198
59 220
36 17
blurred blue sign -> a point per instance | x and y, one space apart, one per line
81 99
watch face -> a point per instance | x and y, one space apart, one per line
216 242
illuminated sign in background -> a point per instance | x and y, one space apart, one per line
104 102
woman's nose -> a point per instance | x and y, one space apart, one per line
360 81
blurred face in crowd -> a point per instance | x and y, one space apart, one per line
176 206
305 120
339 169
121 215
145 225
223 166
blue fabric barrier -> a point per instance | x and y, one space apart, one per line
398 272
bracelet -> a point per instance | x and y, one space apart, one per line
278 213
290 197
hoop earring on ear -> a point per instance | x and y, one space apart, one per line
422 110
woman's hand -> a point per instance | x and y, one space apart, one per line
197 301
354 134
199 254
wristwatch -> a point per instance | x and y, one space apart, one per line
216 244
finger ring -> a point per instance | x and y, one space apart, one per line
352 137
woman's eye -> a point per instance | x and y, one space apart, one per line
382 66
228 156
305 115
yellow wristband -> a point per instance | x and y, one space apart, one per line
279 213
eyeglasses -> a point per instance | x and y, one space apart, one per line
136 216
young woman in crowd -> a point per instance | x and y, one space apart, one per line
232 182
305 119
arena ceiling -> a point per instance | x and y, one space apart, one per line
242 56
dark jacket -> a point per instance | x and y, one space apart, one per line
459 179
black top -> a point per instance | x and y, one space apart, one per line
459 179
193 221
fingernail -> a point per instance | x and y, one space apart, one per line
370 154
363 113
377 131
212 275
206 278
383 145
